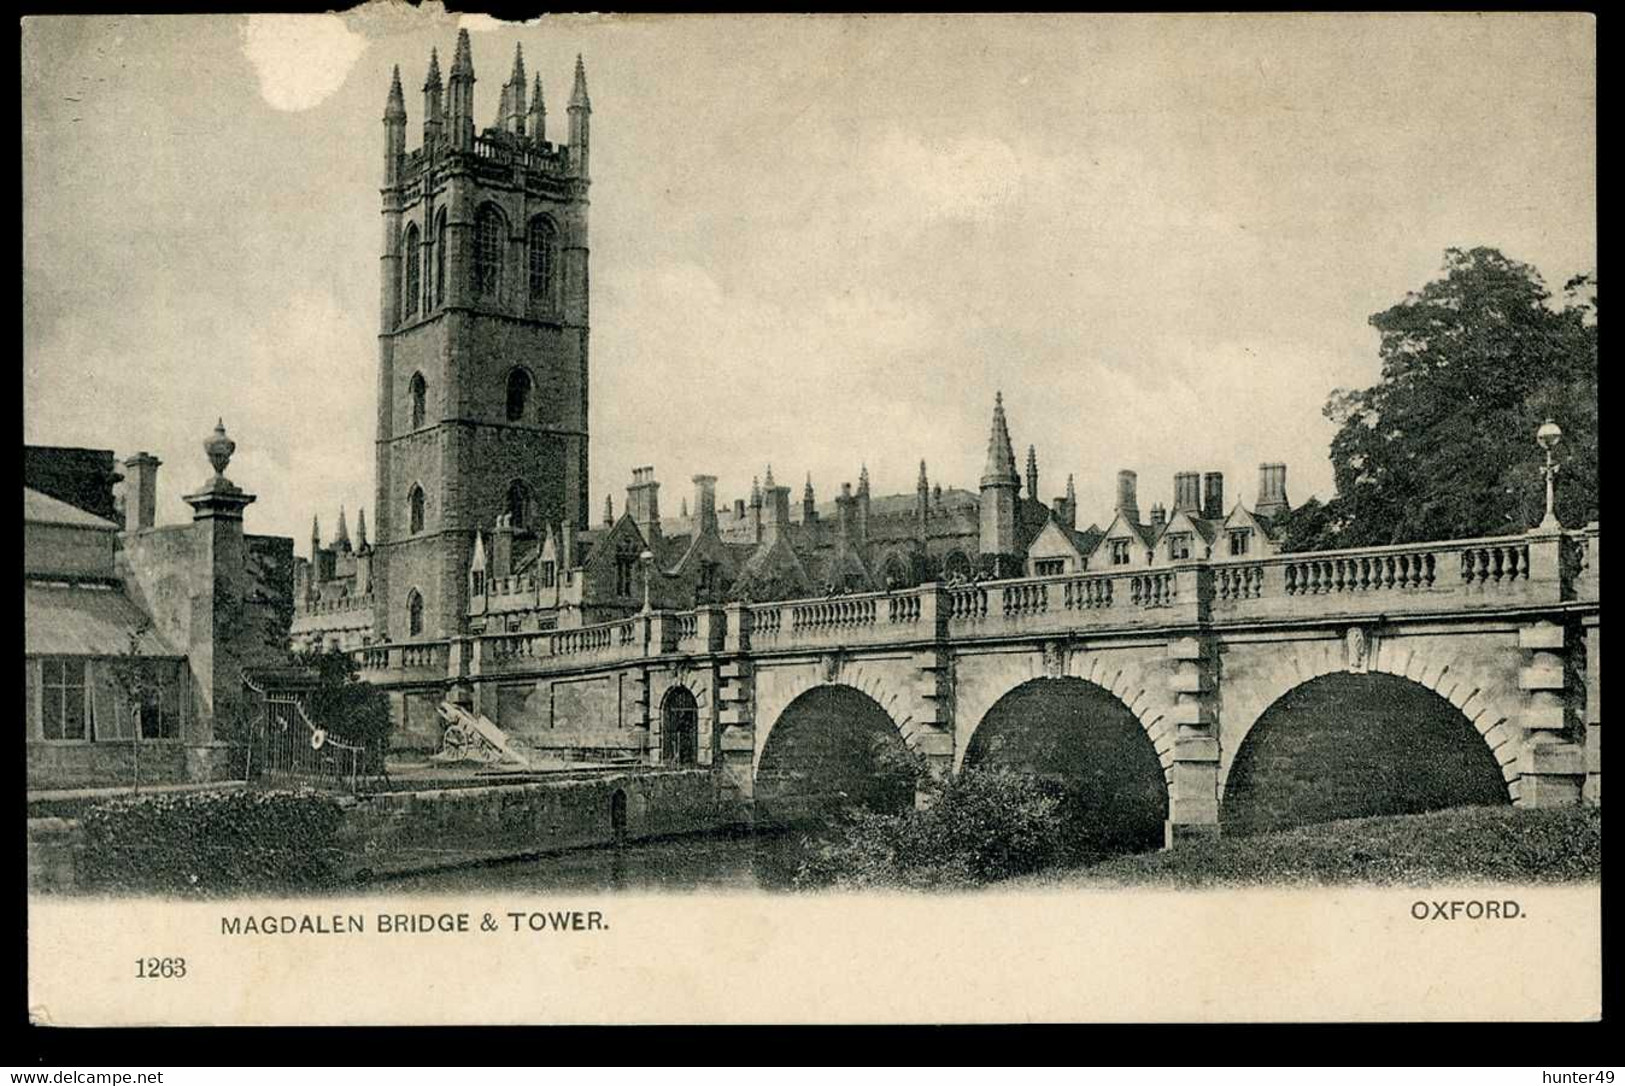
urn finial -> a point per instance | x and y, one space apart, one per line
219 448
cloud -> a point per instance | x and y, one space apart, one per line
300 59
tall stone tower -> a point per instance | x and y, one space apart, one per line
482 357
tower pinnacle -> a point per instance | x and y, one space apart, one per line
433 78
538 112
462 62
395 108
1032 472
578 93
1001 456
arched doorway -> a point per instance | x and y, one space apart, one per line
1355 746
1085 743
679 728
832 748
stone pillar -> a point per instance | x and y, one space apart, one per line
711 628
1193 788
218 639
736 748
1552 767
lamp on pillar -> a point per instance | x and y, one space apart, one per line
1548 437
648 560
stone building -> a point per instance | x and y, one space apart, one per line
481 510
135 637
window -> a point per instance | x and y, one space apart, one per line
490 247
1049 567
414 613
1239 539
1179 546
518 395
414 269
709 576
160 710
420 396
626 560
440 259
478 578
414 501
1120 552
548 574
540 246
521 506
65 708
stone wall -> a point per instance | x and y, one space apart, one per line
419 831
106 764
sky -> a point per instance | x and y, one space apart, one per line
816 242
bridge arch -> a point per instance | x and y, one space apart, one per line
1356 745
1480 697
832 746
1083 739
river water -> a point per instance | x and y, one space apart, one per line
743 860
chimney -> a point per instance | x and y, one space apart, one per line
1032 472
643 502
739 508
567 547
1128 502
140 491
775 512
502 547
844 512
1271 490
1159 515
1188 492
1213 495
809 507
755 509
705 504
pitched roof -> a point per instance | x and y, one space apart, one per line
43 509
85 621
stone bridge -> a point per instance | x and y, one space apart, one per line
1241 695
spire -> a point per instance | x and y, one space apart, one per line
361 528
462 62
1071 492
342 539
395 108
316 531
431 100
1001 457
1032 472
513 95
609 511
863 481
578 93
755 491
538 112
767 483
924 483
518 64
433 80
807 491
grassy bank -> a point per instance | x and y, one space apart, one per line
1469 844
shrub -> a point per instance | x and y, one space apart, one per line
980 826
210 842
354 711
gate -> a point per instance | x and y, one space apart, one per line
286 747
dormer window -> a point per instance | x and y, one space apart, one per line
548 574
1240 541
1120 552
1049 567
1179 546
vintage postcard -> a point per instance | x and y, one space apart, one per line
730 519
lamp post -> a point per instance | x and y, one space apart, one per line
648 560
1547 437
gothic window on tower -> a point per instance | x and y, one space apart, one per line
440 258
490 246
521 506
414 613
541 245
518 395
414 501
420 396
414 269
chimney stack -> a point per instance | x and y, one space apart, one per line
1272 499
1213 495
140 491
1128 502
502 547
775 511
643 502
1159 515
1188 492
705 504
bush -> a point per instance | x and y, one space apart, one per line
210 842
980 826
353 711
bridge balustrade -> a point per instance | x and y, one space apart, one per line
416 661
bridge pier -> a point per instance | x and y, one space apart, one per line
1193 782
1552 768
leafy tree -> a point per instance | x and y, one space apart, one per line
1443 446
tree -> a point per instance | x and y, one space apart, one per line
341 703
1443 446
